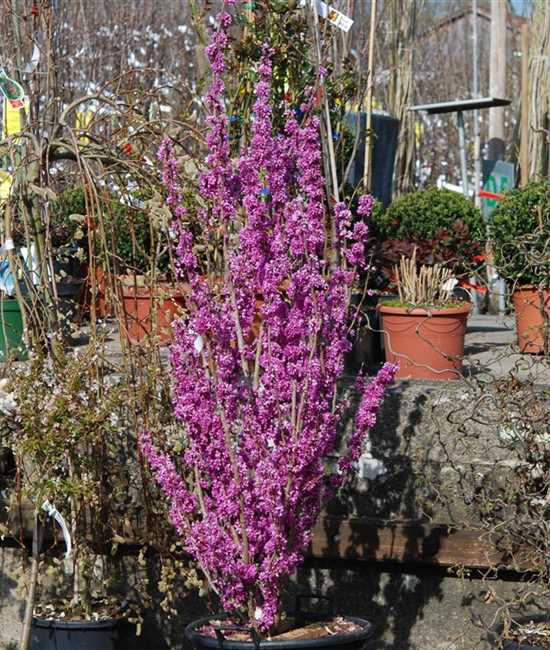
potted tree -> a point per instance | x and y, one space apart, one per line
424 328
520 232
261 409
63 428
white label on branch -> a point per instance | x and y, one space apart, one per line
449 285
54 512
198 344
331 14
9 245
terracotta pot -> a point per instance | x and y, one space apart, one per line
143 306
428 344
530 322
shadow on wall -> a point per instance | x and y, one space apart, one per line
393 599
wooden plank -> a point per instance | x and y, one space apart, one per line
408 542
372 540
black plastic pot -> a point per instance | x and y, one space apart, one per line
496 631
112 634
353 641
367 350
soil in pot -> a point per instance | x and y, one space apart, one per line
110 634
528 633
427 343
336 633
529 306
148 311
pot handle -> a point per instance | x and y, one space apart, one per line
220 629
300 614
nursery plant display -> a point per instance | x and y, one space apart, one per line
261 408
521 234
424 329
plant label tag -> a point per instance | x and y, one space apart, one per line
337 18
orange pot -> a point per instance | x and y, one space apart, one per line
147 311
530 322
428 344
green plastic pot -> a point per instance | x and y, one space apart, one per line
11 330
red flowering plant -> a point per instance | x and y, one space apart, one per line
260 404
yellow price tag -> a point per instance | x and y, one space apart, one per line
13 117
6 180
83 121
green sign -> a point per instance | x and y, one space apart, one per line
498 178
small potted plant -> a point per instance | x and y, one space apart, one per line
520 231
424 328
260 401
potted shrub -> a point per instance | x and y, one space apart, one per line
62 427
442 226
261 411
520 232
424 328
149 298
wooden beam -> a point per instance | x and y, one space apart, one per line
371 540
409 542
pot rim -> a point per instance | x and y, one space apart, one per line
62 624
363 634
421 311
528 287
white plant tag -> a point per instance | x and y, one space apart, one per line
337 18
9 245
449 284
54 512
198 344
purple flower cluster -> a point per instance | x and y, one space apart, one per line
257 359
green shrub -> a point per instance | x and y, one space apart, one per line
520 232
420 215
128 230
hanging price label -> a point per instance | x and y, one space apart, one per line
337 18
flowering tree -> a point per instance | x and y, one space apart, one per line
257 359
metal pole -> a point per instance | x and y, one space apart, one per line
477 125
368 121
462 144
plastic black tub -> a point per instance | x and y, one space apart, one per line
353 641
496 631
111 634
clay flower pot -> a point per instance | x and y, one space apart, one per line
530 322
427 343
149 311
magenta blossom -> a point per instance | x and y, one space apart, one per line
257 359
